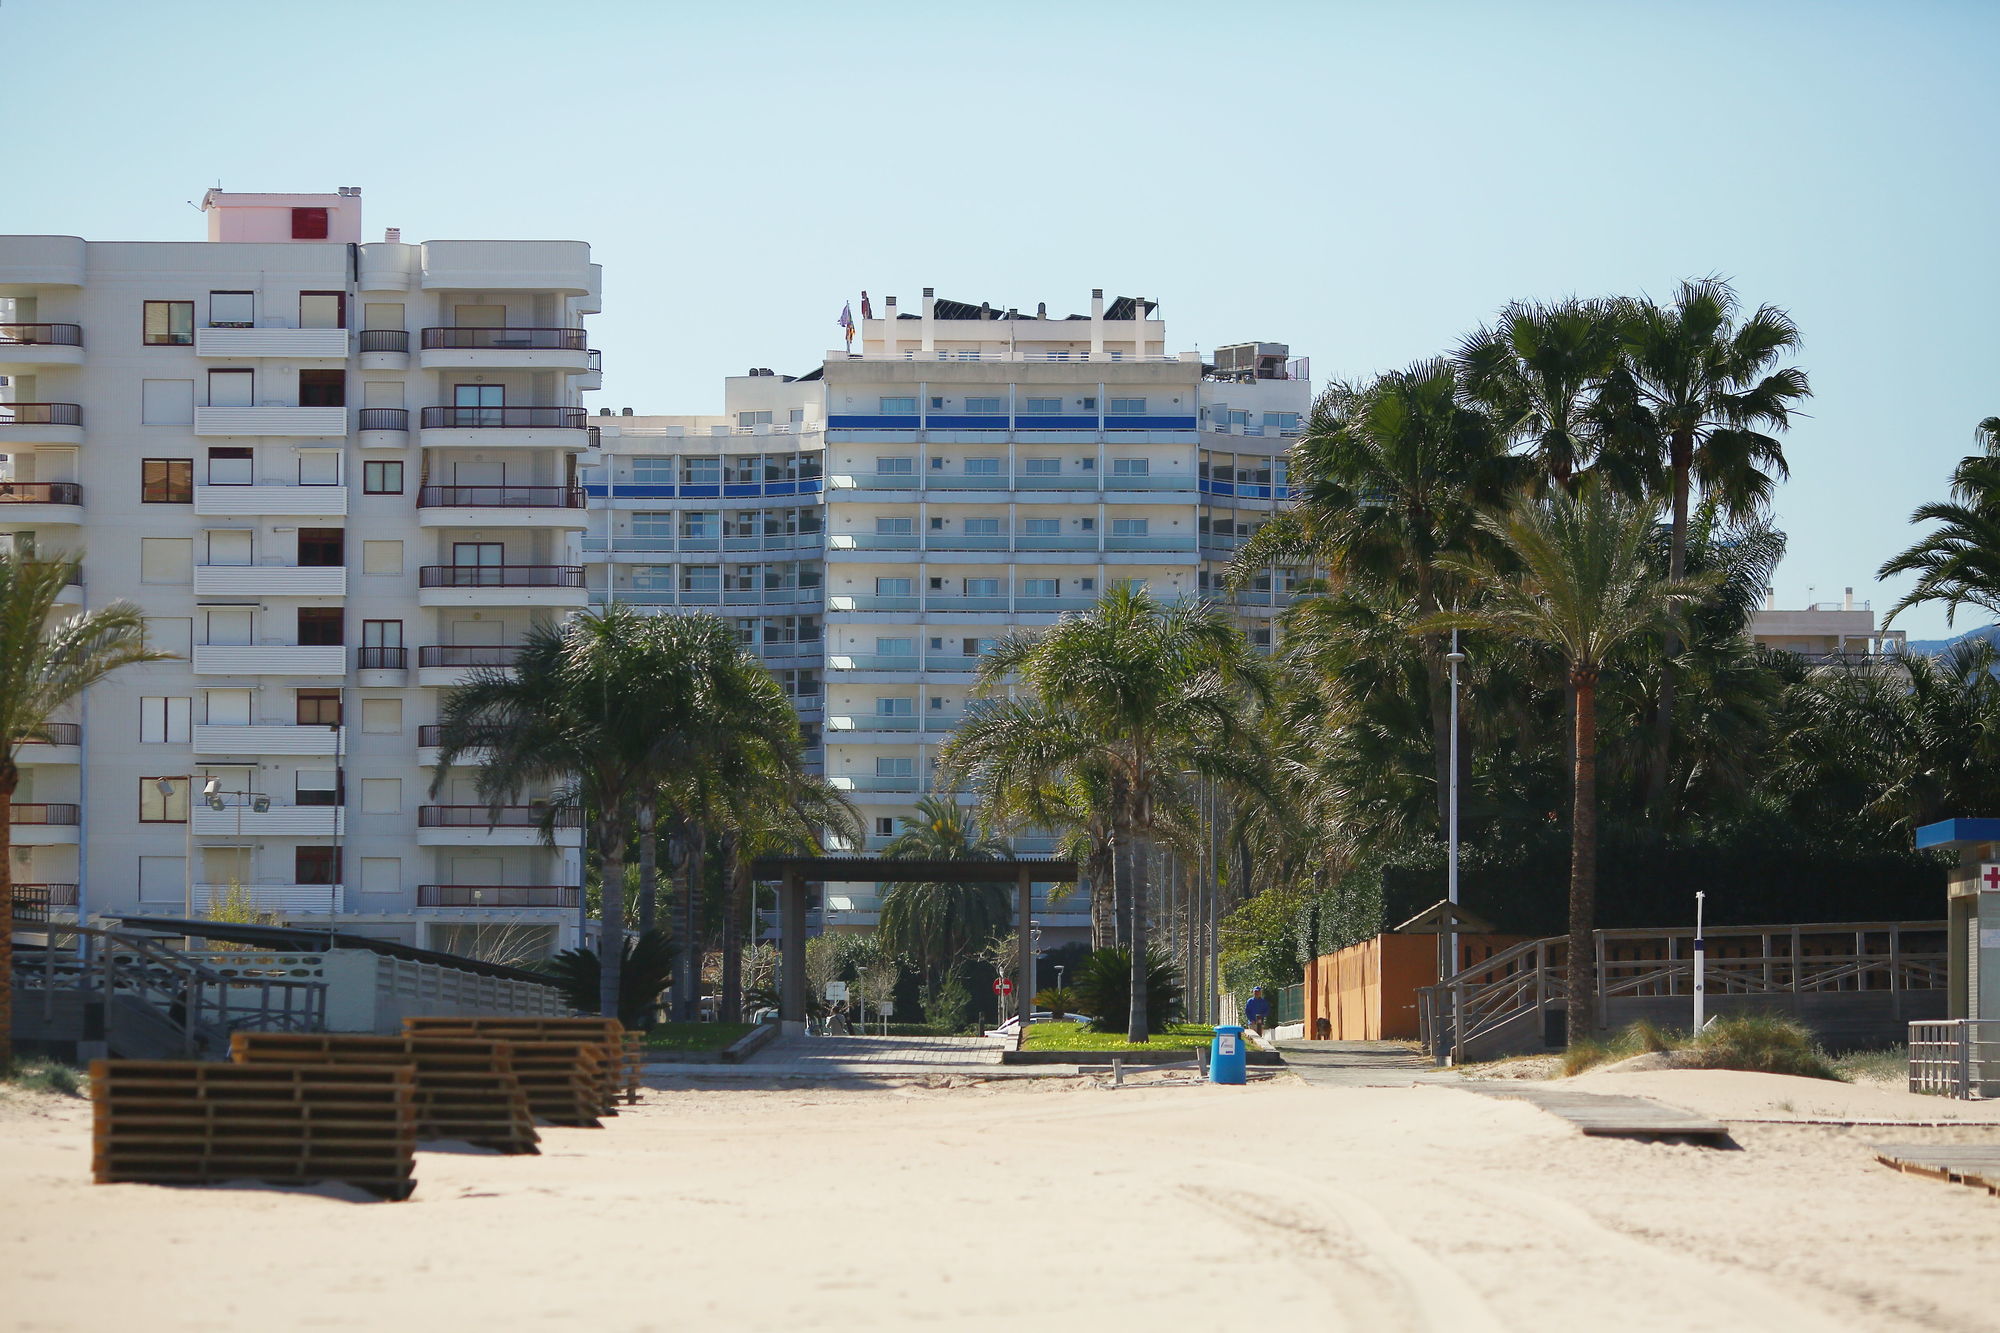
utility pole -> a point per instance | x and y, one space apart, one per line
1455 658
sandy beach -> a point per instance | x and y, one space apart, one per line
936 1203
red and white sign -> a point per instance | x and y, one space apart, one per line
1003 986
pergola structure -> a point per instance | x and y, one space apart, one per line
793 872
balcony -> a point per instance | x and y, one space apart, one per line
326 423
41 423
504 349
62 743
270 580
560 267
27 348
284 899
384 427
509 826
873 782
216 739
292 344
500 585
239 818
867 722
497 895
456 663
302 501
40 824
385 349
430 742
593 375
501 506
839 661
270 659
502 427
41 902
379 666
39 503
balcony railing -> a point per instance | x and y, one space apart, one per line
34 812
385 340
431 734
505 418
468 655
382 659
41 493
501 576
33 901
528 339
496 895
500 497
41 335
385 418
58 733
507 816
44 414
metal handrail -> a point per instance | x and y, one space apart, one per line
41 492
502 339
506 816
43 414
468 655
381 659
42 335
385 418
56 733
505 418
41 812
496 895
500 497
500 576
385 340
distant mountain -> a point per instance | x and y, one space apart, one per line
1932 647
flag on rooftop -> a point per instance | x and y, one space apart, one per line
846 320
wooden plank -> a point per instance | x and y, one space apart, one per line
1974 1164
1607 1115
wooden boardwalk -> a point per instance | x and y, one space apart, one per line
1974 1164
1606 1115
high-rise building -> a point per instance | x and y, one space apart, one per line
335 475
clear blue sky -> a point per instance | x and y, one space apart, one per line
1363 181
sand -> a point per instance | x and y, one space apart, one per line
905 1206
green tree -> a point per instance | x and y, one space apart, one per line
1580 583
1129 698
1538 372
936 926
1959 562
46 661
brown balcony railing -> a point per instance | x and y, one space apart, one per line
32 812
467 655
58 733
496 895
40 493
42 335
479 816
46 414
546 340
385 340
500 497
504 418
432 733
501 576
33 901
385 418
382 659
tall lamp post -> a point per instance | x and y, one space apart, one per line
1456 659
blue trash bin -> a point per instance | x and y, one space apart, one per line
1227 1058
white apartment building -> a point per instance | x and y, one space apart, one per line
335 475
871 527
1826 631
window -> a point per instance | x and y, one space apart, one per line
982 527
164 721
653 526
974 647
166 481
1042 407
166 560
231 466
322 388
701 523
232 310
885 826
895 527
1087 524
895 467
318 708
232 388
898 407
1041 527
1128 407
653 471
1087 404
937 703
798 415
382 717
163 800
985 407
753 418
1041 467
1131 467
478 405
166 403
170 634
895 766
1281 421
309 224
323 310
701 578
982 467
322 546
382 557
319 467
169 324
703 471
382 477
937 403
895 707
318 786
1040 587
982 588
226 708
381 796
1129 527
320 626
316 865
1086 585
895 647
892 587
652 577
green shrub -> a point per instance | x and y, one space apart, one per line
1641 1038
36 1075
648 967
1104 990
1058 1000
1762 1043
948 1005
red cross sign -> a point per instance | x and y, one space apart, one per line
1989 875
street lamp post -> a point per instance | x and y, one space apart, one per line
1456 659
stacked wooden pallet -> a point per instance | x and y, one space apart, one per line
465 1087
172 1122
543 1048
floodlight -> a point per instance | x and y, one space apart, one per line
209 787
165 786
260 804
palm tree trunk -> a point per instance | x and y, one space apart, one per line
649 869
1438 674
1121 880
1582 987
1135 1027
9 777
1101 867
687 947
737 868
1680 459
611 934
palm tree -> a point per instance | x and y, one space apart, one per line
1127 698
1698 395
935 926
45 662
1958 563
1538 372
1586 584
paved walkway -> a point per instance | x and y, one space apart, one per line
1361 1064
868 1058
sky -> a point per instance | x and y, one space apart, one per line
1363 181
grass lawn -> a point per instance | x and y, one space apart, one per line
1076 1037
695 1036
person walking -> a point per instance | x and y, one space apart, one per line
1257 1011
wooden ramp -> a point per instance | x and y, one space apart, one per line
1974 1164
1605 1115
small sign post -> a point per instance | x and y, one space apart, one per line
836 991
1700 965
